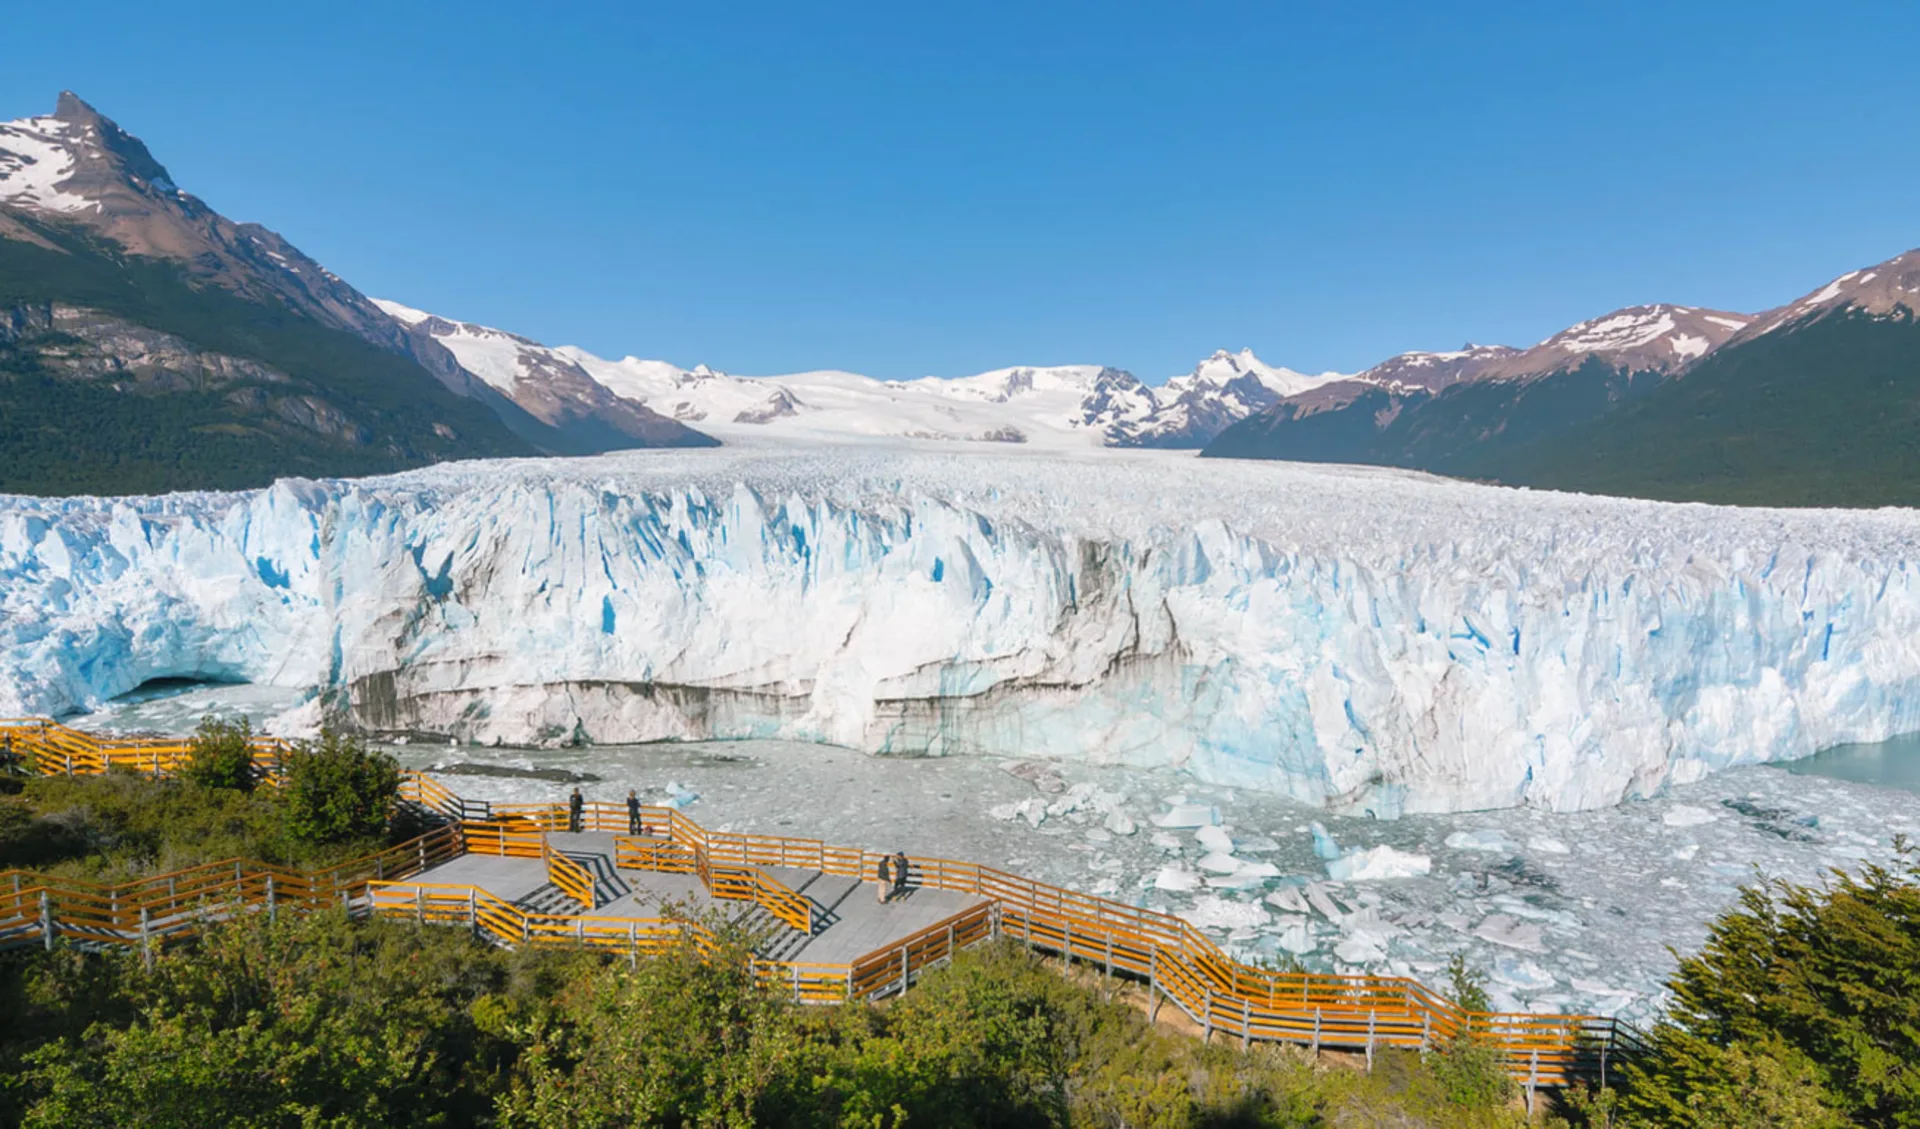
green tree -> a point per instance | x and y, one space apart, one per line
1803 998
337 790
221 754
309 1021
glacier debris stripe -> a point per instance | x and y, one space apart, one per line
1367 641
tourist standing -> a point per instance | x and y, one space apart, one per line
633 813
899 874
574 805
886 879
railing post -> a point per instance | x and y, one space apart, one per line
273 910
423 854
1246 1028
420 905
146 942
903 970
1316 1032
1533 1078
1371 1014
473 911
46 920
1207 1017
1426 1031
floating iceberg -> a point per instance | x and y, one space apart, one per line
1376 863
1365 640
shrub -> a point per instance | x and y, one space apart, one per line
222 754
337 790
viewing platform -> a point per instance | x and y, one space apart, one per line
843 916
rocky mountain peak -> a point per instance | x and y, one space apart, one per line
1879 290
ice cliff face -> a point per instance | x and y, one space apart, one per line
1366 640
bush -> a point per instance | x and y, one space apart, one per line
308 1021
222 754
336 791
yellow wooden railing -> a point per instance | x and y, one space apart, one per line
1179 962
43 908
572 879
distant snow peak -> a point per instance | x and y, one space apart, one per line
405 315
1624 329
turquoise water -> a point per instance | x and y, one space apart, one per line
1894 763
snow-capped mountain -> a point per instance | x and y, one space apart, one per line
1880 290
1221 391
548 386
75 172
77 167
1447 411
1045 407
1657 338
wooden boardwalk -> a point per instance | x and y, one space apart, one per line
848 919
512 872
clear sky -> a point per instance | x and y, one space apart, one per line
904 189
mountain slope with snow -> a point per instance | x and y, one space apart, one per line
582 413
1458 413
1365 640
1815 403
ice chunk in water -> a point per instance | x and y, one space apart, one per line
1217 863
1176 878
1362 949
1296 936
1377 863
1546 845
1213 912
1165 841
1686 815
1187 815
1323 844
1214 839
1504 930
1288 899
1119 823
1485 839
1318 898
1518 972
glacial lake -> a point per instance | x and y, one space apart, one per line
1894 763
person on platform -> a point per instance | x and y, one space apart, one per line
633 813
575 803
886 878
899 875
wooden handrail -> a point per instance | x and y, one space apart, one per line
570 877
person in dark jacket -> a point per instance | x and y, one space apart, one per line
886 878
633 813
575 803
899 874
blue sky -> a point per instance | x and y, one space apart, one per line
905 189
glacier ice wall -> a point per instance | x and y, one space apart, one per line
1365 640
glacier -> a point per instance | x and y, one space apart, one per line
1364 640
